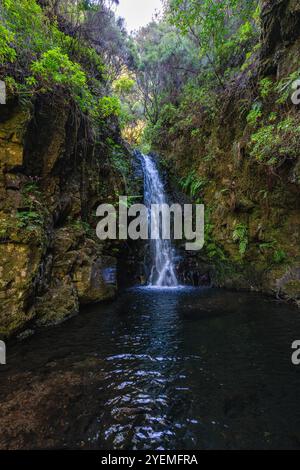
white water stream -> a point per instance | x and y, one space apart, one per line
163 273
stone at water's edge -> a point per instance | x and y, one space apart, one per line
19 266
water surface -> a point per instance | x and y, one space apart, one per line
158 369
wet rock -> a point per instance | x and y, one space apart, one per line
25 334
59 304
194 272
24 417
292 289
90 281
19 266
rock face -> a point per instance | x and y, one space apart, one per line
280 30
254 223
54 171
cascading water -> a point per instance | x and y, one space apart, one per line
163 273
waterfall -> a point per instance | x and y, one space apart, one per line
163 273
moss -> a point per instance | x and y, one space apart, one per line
57 305
272 144
11 137
292 289
19 268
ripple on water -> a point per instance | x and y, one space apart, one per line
163 369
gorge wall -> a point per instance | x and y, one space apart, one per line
243 154
55 169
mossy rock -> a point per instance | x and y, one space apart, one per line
89 278
19 268
292 289
11 139
59 304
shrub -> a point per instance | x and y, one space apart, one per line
124 85
30 27
255 114
55 68
108 106
266 87
284 87
29 219
7 53
47 57
272 144
279 256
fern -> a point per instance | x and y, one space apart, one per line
240 235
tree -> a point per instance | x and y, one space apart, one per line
164 62
213 24
95 22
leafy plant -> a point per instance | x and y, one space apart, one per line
216 32
272 116
108 106
255 114
245 31
49 58
120 163
29 219
7 53
266 86
212 249
274 143
240 235
192 184
55 68
279 256
82 226
123 85
284 87
266 245
32 195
